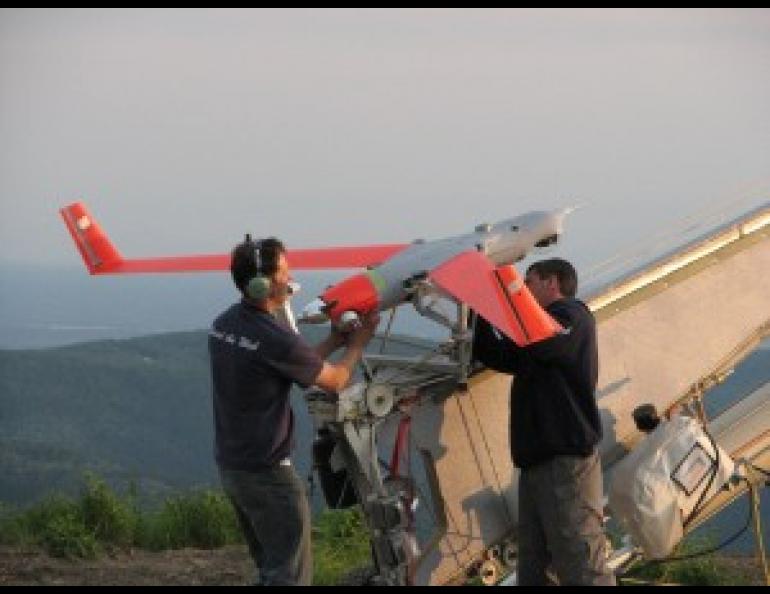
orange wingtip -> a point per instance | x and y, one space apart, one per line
532 321
498 295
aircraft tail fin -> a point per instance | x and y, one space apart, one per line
102 257
98 252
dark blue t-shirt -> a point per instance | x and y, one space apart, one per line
254 361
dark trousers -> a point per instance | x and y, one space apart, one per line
560 523
274 513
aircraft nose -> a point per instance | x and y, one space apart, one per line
314 312
561 214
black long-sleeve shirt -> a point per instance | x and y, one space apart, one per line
553 401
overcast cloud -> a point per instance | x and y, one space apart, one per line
182 129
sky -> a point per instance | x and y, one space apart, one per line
184 129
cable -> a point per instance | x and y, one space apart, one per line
752 514
702 553
704 493
755 509
490 455
386 337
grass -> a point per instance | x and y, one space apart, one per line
101 521
705 570
340 544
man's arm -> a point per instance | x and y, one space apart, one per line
335 376
331 343
496 351
563 344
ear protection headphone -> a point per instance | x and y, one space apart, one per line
259 286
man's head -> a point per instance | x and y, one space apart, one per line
261 272
551 280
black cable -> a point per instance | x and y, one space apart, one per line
695 555
704 493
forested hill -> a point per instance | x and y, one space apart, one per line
136 410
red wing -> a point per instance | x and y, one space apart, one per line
101 257
342 257
498 295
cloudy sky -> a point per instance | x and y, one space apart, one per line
182 129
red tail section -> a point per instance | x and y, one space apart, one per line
101 257
98 253
498 295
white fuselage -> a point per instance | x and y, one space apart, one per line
505 242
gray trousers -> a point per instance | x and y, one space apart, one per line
560 523
274 514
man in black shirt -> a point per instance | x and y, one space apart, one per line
255 359
555 429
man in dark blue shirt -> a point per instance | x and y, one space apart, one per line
255 359
555 428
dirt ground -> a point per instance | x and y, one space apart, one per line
229 566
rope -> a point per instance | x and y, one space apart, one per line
386 336
491 457
755 511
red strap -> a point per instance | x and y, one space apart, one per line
401 443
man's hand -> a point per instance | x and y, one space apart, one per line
364 331
335 376
334 341
337 338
